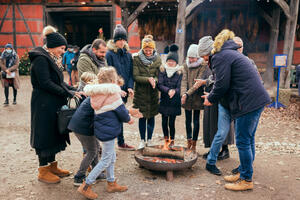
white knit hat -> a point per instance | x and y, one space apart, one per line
193 51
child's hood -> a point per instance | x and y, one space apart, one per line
104 97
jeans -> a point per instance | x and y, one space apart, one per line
107 162
150 127
245 128
224 121
168 123
91 147
188 124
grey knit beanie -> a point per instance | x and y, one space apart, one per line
193 51
205 46
119 33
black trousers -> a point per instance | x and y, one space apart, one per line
6 92
188 124
45 160
168 126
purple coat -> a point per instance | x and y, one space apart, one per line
169 106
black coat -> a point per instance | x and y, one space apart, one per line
48 96
237 78
167 105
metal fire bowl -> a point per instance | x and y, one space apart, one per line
188 162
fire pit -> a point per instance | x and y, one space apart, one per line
158 159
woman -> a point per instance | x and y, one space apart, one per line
9 63
49 94
145 71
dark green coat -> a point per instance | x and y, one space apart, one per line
145 97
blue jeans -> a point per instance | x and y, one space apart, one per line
224 121
108 159
245 128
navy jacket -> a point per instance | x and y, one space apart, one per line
82 120
238 80
167 105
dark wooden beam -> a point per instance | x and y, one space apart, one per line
266 16
192 6
190 18
14 26
284 6
136 13
82 9
180 30
3 19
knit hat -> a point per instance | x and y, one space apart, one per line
205 46
119 33
148 42
53 38
8 45
173 55
193 51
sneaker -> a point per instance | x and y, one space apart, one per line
235 170
6 102
126 147
149 143
14 102
204 156
101 177
213 169
224 154
142 144
78 180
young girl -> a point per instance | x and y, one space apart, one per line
110 113
169 83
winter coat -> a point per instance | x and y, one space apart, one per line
14 68
194 100
145 97
75 60
237 78
109 109
82 122
121 59
68 56
49 94
169 106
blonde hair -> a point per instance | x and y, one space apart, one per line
222 37
108 75
148 42
88 77
48 30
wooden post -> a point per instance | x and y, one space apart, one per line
14 26
180 30
169 175
124 13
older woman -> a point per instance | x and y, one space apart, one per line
49 94
145 71
9 63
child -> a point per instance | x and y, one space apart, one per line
169 83
110 113
85 78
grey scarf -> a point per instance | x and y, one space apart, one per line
9 57
89 51
147 60
194 64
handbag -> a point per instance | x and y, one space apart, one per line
64 116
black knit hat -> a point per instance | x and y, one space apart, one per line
55 39
173 55
120 33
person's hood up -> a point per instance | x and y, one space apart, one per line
231 45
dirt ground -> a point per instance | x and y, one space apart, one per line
276 167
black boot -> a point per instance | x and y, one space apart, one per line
14 102
204 156
235 170
213 169
6 102
224 154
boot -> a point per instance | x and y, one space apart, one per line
194 142
114 187
46 176
232 178
189 144
59 172
241 185
224 154
86 190
6 102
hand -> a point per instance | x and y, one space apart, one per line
131 92
206 102
152 82
135 112
8 72
199 83
131 121
78 94
183 99
123 93
171 93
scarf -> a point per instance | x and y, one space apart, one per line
89 51
194 64
171 70
57 60
147 60
9 57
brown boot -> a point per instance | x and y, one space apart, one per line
241 185
86 190
194 142
232 178
46 176
59 172
114 187
189 144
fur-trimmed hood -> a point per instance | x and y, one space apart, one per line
111 45
179 71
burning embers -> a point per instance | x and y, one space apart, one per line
162 160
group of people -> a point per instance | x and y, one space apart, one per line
70 59
216 78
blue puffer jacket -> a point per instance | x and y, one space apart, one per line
237 78
83 119
110 111
121 59
68 56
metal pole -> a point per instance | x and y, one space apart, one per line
278 80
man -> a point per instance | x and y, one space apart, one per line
92 57
67 58
238 81
119 57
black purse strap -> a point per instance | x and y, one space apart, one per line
76 100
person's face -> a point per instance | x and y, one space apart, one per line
148 51
240 43
192 59
8 50
171 63
58 51
120 43
100 53
206 58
